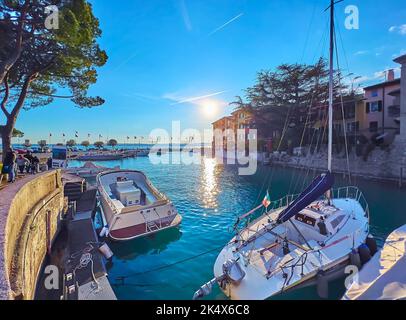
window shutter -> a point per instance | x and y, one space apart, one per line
380 106
367 107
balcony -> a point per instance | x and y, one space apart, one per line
394 111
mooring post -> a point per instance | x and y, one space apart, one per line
401 178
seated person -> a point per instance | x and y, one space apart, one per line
22 163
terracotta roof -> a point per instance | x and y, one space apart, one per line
383 84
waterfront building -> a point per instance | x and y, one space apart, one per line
230 125
382 106
402 97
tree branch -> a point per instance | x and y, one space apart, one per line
6 65
21 99
50 95
6 96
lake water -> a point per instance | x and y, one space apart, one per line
209 197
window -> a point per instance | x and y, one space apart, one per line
375 106
373 126
305 219
336 222
374 93
353 127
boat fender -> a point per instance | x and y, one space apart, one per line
322 285
233 271
104 232
106 251
355 259
364 253
371 243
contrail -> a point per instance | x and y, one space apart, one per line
226 24
185 15
198 98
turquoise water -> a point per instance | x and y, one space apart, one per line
209 197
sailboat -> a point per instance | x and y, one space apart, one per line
300 238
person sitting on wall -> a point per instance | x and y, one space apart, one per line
22 163
34 165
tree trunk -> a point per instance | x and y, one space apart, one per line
7 129
6 134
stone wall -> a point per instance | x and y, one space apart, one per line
381 164
30 211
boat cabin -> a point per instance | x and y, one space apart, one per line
321 217
127 192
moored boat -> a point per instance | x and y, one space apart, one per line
100 157
132 207
297 239
384 276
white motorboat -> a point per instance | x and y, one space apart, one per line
89 170
100 156
142 153
132 207
384 276
299 239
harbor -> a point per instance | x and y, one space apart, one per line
282 181
219 194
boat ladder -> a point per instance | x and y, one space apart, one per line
152 226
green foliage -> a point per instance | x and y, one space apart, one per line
280 100
42 144
27 143
99 144
17 133
64 58
85 144
112 143
71 143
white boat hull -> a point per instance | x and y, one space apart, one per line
267 274
131 222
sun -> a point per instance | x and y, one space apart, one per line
209 108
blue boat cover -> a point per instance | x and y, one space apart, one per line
318 187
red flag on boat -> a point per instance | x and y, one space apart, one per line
267 200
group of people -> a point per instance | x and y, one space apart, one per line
12 163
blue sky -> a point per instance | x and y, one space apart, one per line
171 59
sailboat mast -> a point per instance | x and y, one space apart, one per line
331 85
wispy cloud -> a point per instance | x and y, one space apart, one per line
378 75
185 15
177 99
361 52
141 96
398 29
125 61
225 24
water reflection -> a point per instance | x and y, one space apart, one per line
153 244
209 186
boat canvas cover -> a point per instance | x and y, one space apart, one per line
318 187
384 276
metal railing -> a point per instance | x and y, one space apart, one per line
343 192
